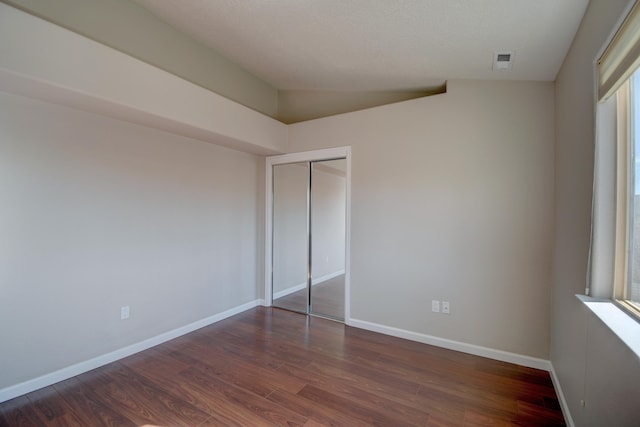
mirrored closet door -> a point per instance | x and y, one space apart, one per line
308 240
291 236
328 200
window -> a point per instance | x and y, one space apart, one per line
629 290
627 202
614 264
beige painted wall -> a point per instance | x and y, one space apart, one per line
98 213
300 105
125 26
452 199
591 363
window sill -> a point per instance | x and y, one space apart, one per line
626 328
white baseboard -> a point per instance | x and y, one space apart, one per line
301 286
504 356
79 368
563 402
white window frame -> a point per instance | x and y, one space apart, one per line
624 218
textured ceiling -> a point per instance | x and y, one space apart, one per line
380 44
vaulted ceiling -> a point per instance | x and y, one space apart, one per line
376 45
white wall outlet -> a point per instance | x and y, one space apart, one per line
435 306
445 307
124 312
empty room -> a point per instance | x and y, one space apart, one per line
319 213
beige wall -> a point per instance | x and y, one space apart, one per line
591 363
97 214
452 199
300 105
127 27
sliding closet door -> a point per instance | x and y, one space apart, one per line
307 238
328 233
290 236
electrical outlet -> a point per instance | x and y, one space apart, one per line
124 312
445 307
435 306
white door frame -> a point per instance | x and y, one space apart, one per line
306 156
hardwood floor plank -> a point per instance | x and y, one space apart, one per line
398 401
257 379
268 367
89 406
152 363
467 379
127 404
474 418
52 408
258 351
366 377
314 423
245 375
311 410
207 397
383 402
540 412
19 413
448 419
301 348
441 400
368 413
514 372
242 401
202 399
165 407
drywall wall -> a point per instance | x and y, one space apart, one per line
452 199
99 213
129 28
591 363
300 105
48 62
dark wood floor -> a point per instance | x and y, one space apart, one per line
273 367
327 299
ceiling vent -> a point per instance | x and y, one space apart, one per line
502 60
